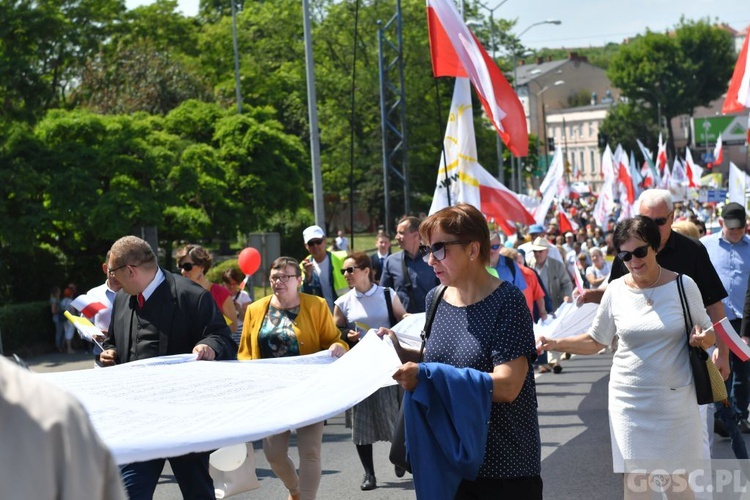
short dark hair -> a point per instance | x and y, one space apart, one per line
197 254
464 222
232 274
362 260
283 262
413 223
641 227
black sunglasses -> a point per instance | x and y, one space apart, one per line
349 270
187 266
438 249
314 242
639 252
660 221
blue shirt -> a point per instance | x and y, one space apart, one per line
732 264
413 291
504 273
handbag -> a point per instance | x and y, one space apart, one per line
234 480
709 384
398 455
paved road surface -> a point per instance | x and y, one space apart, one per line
576 455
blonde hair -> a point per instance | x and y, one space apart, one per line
686 228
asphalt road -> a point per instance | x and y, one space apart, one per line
576 454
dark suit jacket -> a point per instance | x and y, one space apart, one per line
376 270
188 317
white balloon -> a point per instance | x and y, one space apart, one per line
228 458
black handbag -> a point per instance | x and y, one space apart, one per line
397 455
709 384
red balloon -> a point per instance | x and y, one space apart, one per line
249 260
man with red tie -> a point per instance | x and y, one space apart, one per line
158 313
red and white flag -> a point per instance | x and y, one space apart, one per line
693 171
564 224
457 52
726 333
661 156
738 95
622 171
88 306
718 154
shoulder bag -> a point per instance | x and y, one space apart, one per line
397 455
709 384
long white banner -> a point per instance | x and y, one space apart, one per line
172 406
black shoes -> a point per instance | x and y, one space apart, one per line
720 428
744 426
399 471
369 483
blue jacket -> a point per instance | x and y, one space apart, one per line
446 421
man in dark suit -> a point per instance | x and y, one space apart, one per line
383 242
157 313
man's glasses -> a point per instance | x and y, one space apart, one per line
438 249
111 272
639 252
349 270
495 247
281 277
660 221
186 266
313 243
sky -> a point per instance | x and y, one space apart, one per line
587 23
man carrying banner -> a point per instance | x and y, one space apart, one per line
729 251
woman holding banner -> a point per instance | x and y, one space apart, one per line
653 412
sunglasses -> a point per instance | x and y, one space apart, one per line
495 247
438 249
639 252
187 266
312 243
660 221
349 270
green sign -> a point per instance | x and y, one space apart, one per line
706 130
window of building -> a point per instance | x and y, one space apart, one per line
592 155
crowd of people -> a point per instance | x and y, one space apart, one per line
489 289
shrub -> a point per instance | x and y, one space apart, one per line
27 328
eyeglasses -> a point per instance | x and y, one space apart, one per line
186 266
639 252
312 243
495 247
281 277
111 272
349 270
660 221
438 249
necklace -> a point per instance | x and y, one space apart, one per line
649 297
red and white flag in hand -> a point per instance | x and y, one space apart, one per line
726 333
88 306
738 95
457 52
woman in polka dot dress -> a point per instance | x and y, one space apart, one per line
482 322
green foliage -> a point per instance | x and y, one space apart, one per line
580 98
290 225
216 273
629 121
26 328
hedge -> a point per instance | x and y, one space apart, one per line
27 328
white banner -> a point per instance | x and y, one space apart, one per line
170 406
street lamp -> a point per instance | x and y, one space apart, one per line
519 181
544 118
498 142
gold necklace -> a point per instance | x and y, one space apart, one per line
649 298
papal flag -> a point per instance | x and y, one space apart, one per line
738 183
461 179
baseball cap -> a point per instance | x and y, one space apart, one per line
734 216
536 229
312 233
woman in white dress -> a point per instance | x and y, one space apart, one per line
653 411
362 308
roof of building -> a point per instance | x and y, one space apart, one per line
588 107
528 72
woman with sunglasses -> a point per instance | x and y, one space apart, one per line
364 307
194 262
481 325
652 404
289 323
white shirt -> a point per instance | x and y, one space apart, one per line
323 270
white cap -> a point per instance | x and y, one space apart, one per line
313 232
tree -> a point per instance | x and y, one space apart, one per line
679 72
628 121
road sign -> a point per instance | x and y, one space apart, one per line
707 129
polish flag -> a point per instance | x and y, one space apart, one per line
693 171
457 52
564 224
738 95
462 179
623 173
661 156
718 154
727 334
88 306
579 281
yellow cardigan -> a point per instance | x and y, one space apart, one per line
314 327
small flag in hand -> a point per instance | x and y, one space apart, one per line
726 333
88 306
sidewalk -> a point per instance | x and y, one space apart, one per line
57 362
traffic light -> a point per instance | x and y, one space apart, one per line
602 139
550 144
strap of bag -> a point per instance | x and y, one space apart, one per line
685 308
430 316
389 306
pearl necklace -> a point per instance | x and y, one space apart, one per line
649 298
